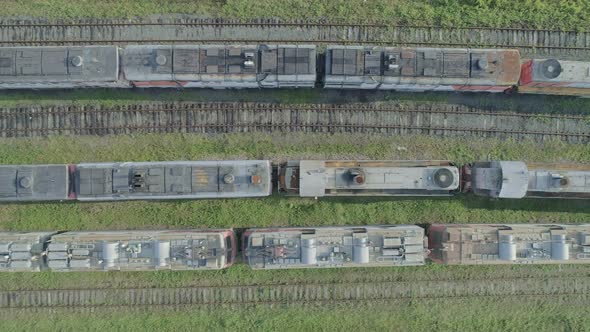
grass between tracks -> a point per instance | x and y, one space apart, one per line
440 315
240 274
115 97
548 14
415 315
275 211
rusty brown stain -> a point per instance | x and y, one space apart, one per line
256 179
554 90
386 163
509 73
558 166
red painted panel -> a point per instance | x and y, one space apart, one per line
526 73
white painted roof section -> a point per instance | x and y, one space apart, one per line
571 71
316 178
515 179
575 181
313 179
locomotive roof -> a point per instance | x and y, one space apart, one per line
559 179
558 71
21 251
59 63
173 180
151 62
335 246
319 178
517 179
33 183
483 66
477 243
138 250
185 62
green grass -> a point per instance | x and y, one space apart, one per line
240 274
409 315
413 315
275 211
439 315
553 14
113 97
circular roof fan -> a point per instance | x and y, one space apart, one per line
77 61
551 68
443 178
161 60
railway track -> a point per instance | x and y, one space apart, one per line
213 118
541 42
318 293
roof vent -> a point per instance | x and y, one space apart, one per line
358 176
482 64
563 181
443 178
391 62
551 68
249 59
229 178
161 60
25 182
77 61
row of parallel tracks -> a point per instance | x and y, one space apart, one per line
571 290
538 42
214 118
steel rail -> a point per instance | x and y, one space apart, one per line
271 23
313 284
394 298
207 107
171 127
294 41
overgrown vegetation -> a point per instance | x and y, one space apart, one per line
441 315
277 210
548 14
114 97
240 274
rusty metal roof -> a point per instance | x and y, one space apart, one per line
388 67
506 243
346 246
319 178
137 250
173 180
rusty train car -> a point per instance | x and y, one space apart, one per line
421 69
296 247
136 181
304 178
323 247
471 244
319 178
555 77
136 250
517 179
220 66
290 66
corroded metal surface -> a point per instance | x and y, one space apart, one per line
328 247
510 244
